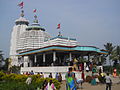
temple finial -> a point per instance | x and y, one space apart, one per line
22 13
60 34
36 20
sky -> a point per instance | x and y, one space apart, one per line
91 22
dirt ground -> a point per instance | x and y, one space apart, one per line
87 86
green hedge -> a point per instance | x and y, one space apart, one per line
17 82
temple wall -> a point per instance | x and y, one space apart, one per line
47 70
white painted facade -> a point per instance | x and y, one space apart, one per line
32 39
18 29
61 41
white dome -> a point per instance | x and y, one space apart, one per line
22 19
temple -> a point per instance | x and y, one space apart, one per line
33 48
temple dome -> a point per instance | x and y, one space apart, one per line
35 25
22 20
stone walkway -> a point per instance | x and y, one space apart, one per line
87 86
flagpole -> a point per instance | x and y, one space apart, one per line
59 33
58 27
21 5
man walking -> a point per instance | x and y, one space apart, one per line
108 82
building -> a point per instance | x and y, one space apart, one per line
19 27
36 50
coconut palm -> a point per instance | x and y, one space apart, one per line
115 56
110 48
118 52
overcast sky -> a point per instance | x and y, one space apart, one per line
91 22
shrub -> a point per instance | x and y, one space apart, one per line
20 78
1 75
17 82
12 85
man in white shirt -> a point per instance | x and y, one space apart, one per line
108 82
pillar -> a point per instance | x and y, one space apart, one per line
88 57
25 61
30 62
70 56
54 56
35 59
44 57
99 58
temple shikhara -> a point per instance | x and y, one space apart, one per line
33 48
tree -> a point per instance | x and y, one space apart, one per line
1 59
118 52
5 67
110 48
115 56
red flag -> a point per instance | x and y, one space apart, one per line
34 10
58 26
21 5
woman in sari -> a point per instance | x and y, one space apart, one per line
70 80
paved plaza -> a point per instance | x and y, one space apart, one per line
87 86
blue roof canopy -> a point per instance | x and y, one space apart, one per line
65 48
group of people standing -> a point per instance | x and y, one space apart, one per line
58 77
71 81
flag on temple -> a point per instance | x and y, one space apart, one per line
58 26
21 5
34 10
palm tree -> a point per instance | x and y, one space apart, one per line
110 48
115 56
118 52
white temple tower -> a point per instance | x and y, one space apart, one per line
19 27
33 37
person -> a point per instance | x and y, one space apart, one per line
56 76
27 73
108 82
31 73
93 81
115 73
41 75
80 67
60 77
70 80
50 75
83 76
100 71
87 68
45 83
103 77
50 86
28 80
80 81
93 71
38 73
